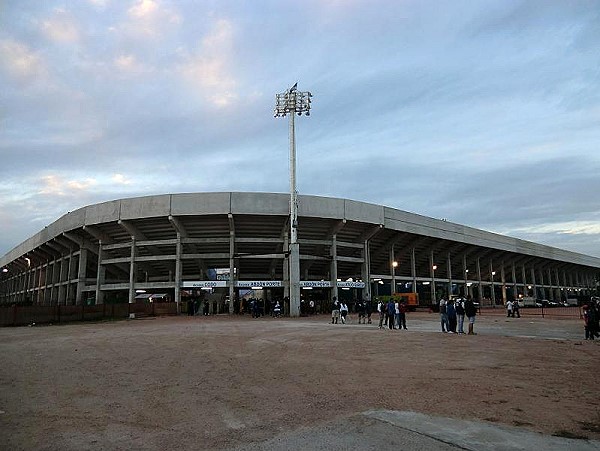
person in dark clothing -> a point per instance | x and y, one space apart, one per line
402 307
516 309
451 312
391 312
190 307
470 311
369 309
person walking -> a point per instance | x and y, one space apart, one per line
360 309
335 311
343 311
470 312
460 314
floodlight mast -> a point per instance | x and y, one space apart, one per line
290 102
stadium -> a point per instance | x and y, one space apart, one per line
222 246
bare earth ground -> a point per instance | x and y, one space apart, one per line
218 382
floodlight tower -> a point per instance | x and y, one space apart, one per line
290 102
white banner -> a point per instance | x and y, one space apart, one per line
315 283
351 284
259 283
205 284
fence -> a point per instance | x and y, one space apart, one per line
540 312
18 315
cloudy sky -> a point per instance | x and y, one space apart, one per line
486 113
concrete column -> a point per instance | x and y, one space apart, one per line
366 271
334 273
542 288
286 269
525 286
466 274
449 264
132 267
100 276
432 274
551 287
492 290
232 277
62 275
71 276
178 249
413 270
392 270
514 280
81 272
533 281
480 287
503 281
52 282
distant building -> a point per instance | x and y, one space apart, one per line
225 242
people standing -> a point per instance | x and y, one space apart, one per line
361 310
451 312
443 315
470 312
460 314
343 311
381 307
391 312
402 319
369 310
509 309
397 314
335 311
516 309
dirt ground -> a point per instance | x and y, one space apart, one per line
219 382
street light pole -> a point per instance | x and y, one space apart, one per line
290 102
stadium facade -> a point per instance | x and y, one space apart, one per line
227 243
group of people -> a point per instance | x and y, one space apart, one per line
512 309
392 314
591 319
453 312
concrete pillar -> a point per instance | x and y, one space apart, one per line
432 274
365 271
503 281
132 267
62 276
533 281
100 276
551 287
492 290
286 270
525 286
81 273
479 287
178 249
52 280
466 274
413 270
393 269
449 265
232 277
542 287
334 273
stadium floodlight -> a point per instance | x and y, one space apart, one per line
287 103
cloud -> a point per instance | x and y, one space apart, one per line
120 179
61 27
148 18
56 185
19 61
211 69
